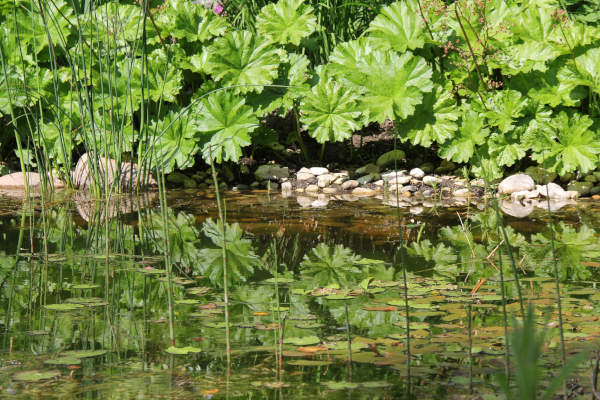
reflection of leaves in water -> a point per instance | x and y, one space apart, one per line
241 259
571 247
333 265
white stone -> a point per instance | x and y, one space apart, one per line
304 201
348 185
552 190
417 173
400 180
416 210
319 203
378 183
324 180
516 183
304 170
461 193
286 187
340 180
516 209
330 190
312 188
394 174
16 180
318 171
304 176
431 180
362 191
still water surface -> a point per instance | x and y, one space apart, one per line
317 305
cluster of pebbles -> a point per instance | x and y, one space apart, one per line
314 187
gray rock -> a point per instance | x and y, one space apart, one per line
177 178
368 178
16 180
318 171
324 180
595 190
330 190
340 180
367 169
311 188
590 179
445 167
516 183
427 168
566 178
349 185
272 172
189 183
393 156
583 188
417 173
524 194
361 191
409 188
254 184
431 180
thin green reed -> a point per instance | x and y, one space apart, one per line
504 314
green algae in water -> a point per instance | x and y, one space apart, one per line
183 350
84 353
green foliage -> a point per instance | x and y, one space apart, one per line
228 122
287 21
330 112
486 87
244 60
241 258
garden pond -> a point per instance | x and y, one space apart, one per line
316 297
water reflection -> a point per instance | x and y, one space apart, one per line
316 300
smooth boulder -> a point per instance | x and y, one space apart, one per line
516 183
16 180
130 176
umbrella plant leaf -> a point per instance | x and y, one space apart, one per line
243 60
287 21
226 122
192 21
330 112
400 26
434 121
472 133
174 141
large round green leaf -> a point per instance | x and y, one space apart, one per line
244 60
287 21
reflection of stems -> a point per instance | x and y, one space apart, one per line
405 280
556 282
470 350
348 338
224 254
163 207
504 314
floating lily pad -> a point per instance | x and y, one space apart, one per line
152 271
85 286
187 301
198 291
63 307
309 325
341 385
279 281
83 353
177 281
63 361
302 341
35 375
87 301
183 350
37 333
309 363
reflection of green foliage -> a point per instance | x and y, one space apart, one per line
333 265
241 259
571 246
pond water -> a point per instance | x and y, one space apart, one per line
316 298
